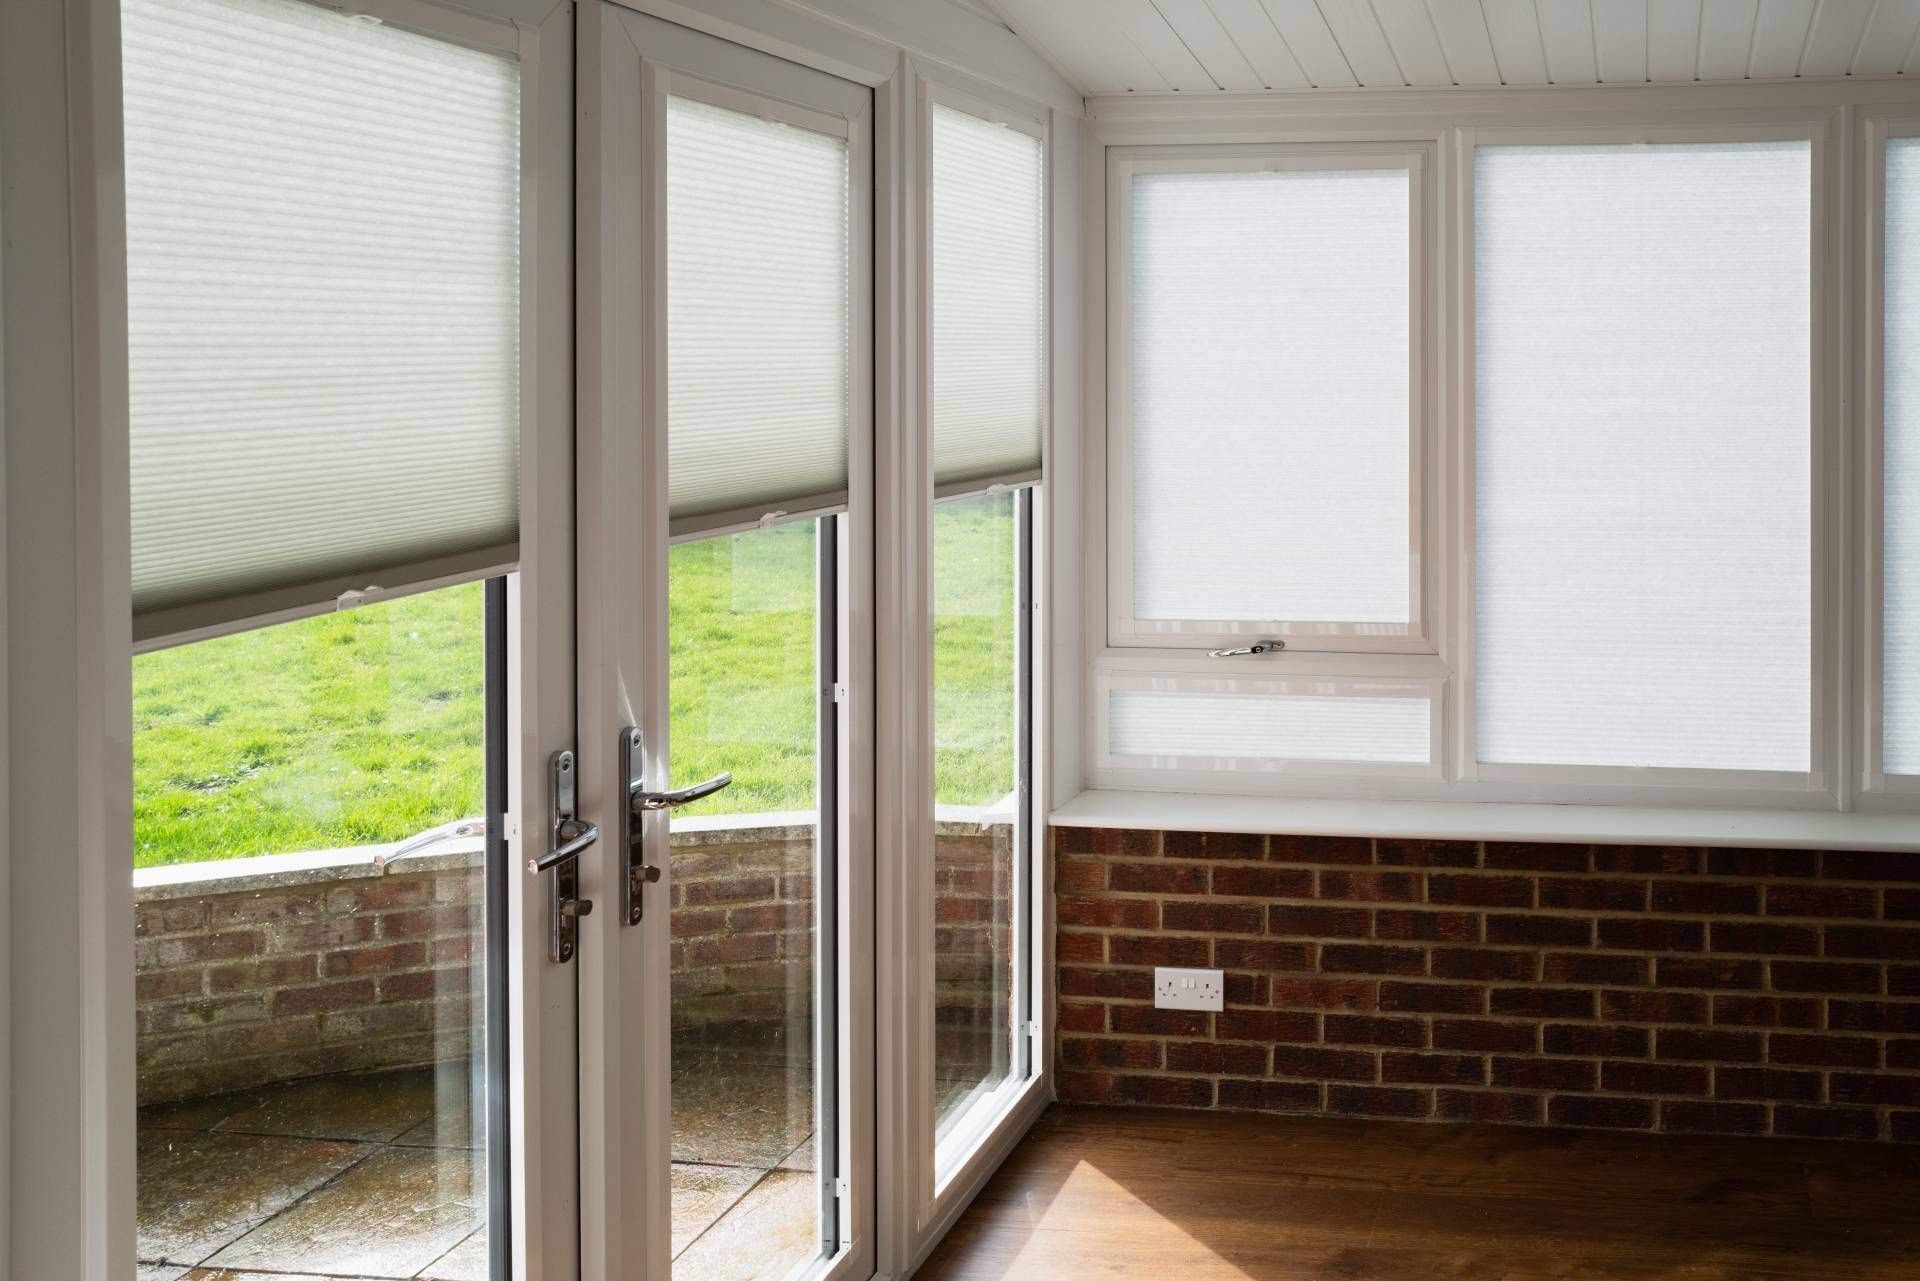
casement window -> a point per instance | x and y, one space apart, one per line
1266 395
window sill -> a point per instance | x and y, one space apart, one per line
1488 821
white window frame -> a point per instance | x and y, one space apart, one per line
1124 629
1878 789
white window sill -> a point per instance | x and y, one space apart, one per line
1488 821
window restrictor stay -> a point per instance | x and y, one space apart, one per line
1258 647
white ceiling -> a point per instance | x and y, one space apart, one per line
1194 46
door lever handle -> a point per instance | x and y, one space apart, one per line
575 837
644 800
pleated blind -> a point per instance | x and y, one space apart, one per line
1642 392
988 237
1272 318
1270 727
1900 628
323 307
757 317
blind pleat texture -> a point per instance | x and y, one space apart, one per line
1642 439
1901 485
1275 727
988 302
757 317
323 307
1271 403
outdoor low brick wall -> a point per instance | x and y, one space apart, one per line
1624 987
973 950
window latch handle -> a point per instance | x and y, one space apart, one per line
1258 647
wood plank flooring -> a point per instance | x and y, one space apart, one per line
1118 1194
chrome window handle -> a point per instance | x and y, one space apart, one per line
1258 647
644 800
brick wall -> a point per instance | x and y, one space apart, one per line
1644 988
973 951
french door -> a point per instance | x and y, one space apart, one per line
724 658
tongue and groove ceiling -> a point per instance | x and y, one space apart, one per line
1210 46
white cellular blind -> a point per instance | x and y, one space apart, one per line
988 238
1642 396
323 241
1271 321
1270 727
1900 667
757 316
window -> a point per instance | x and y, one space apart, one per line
1266 477
1643 443
1900 464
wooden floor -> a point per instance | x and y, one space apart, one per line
1198 1196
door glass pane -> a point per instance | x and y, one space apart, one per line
748 870
311 876
976 804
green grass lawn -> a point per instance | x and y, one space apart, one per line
366 726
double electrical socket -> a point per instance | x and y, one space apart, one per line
1178 989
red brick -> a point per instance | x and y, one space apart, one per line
1126 985
1714 972
1426 853
1109 913
1826 1122
1144 1020
1352 958
1081 1052
1904 1127
1163 1091
1072 874
1770 1084
1331 1065
1480 891
328 996
1653 936
1739 862
1156 878
1270 1096
1673 860
1431 927
1587 1040
1866 865
1545 1074
1432 1069
1653 1078
1823 1051
1433 998
1536 857
1766 1011
1904 1055
1479 1034
1364 1029
1549 931
1593 894
1105 840
1213 918
1596 968
1270 955
1347 850
1366 1100
375 960
1483 964
1266 1025
1819 976
1077 1016
1764 938
1488 1106
1705 897
1246 989
1828 901
1085 1087
1137 949
1240 845
1610 1114
737 889
1714 1045
1211 1057
1542 1002
1897 1017
1372 887
1315 921
1903 980
1884 942
1263 882
1070 946
1326 994
158 985
1712 1118
1653 1007
1902 905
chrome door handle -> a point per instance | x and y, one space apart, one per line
644 800
571 836
574 837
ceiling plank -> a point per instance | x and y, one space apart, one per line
1415 43
1515 30
1042 25
1157 41
1314 48
1888 38
1726 38
1361 40
1779 34
1835 37
1207 40
1566 33
1124 68
1462 29
1673 41
1254 34
1620 41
